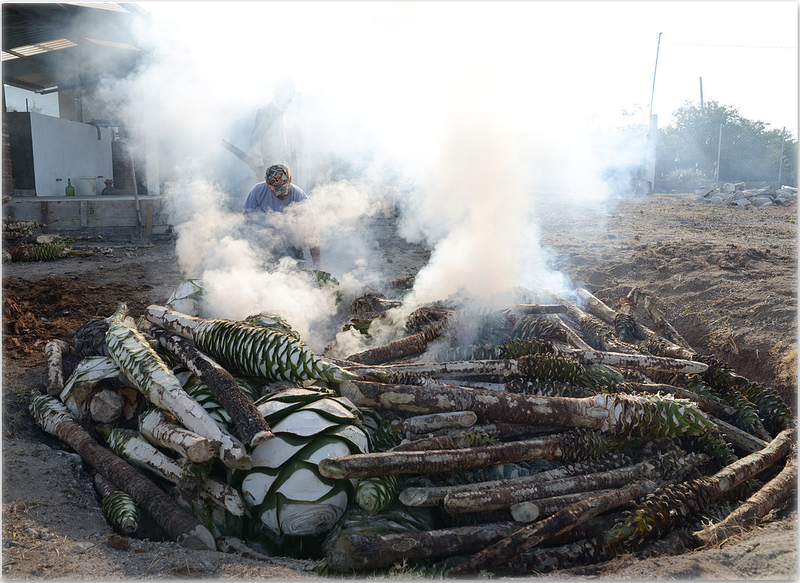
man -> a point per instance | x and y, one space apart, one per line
289 211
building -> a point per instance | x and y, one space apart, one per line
72 51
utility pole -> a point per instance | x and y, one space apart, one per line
701 93
650 158
653 92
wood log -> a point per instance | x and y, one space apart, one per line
119 508
704 403
662 324
539 308
532 510
572 336
407 346
427 423
500 431
538 532
106 406
141 453
161 428
356 552
739 438
497 498
54 352
565 446
607 413
754 508
431 496
500 369
178 524
252 427
433 443
601 310
688 498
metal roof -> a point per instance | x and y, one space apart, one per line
45 45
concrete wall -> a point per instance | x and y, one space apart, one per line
60 149
109 216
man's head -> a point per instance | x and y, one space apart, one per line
107 182
279 179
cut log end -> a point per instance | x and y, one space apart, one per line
261 437
525 512
199 538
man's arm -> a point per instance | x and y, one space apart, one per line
316 256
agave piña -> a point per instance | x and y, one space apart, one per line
284 489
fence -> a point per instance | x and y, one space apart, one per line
727 153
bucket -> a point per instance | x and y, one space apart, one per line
85 186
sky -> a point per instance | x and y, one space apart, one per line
558 58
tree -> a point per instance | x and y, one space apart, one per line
749 152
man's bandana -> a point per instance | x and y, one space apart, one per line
279 177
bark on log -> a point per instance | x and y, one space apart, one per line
568 445
252 427
427 423
637 361
162 428
54 353
497 498
606 413
688 498
532 510
739 438
539 308
535 534
408 346
178 524
431 496
490 369
704 403
128 523
661 323
596 306
754 508
356 552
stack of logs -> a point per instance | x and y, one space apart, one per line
559 437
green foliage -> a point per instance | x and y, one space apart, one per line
750 152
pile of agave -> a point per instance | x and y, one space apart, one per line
533 437
21 243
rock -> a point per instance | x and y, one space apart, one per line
762 200
704 191
741 202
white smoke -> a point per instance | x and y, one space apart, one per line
465 146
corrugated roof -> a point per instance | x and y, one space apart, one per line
45 44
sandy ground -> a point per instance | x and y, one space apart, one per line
725 277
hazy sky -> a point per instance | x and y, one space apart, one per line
403 64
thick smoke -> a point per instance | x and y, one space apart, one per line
464 161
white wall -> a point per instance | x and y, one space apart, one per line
67 149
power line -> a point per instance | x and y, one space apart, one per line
731 46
